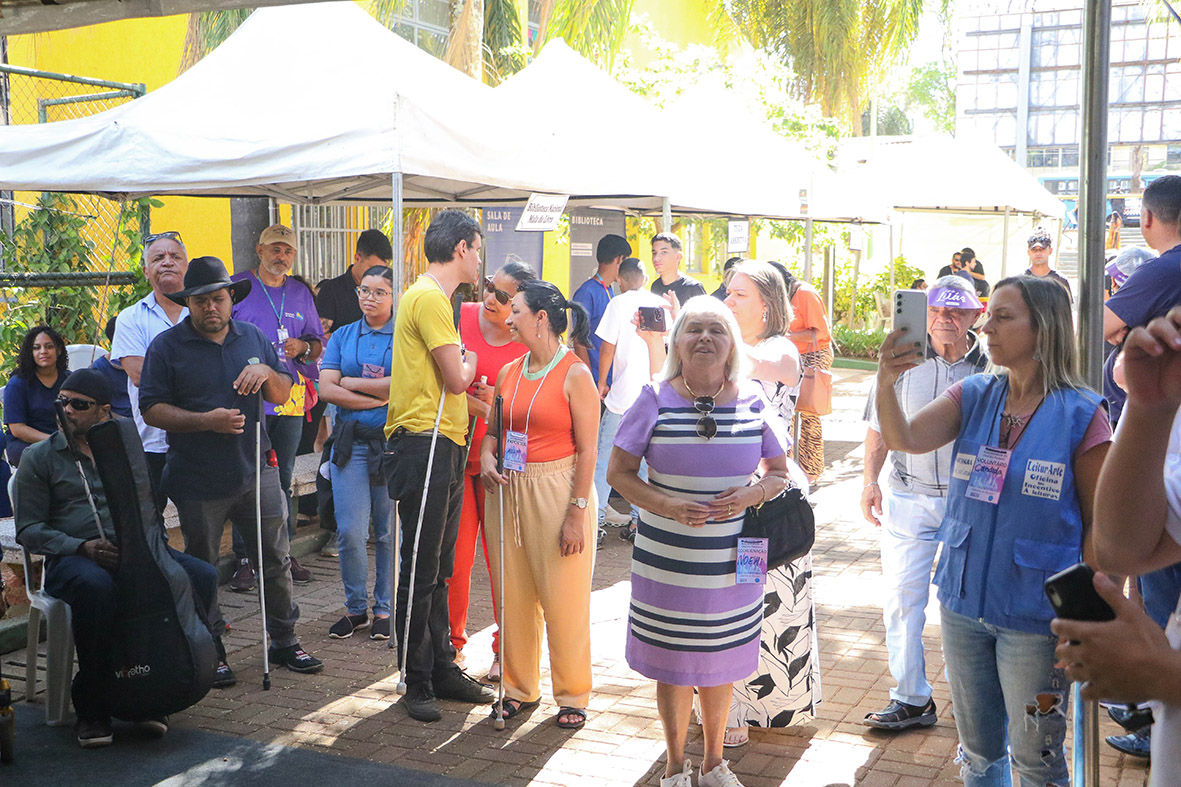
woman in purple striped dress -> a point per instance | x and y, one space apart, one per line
703 431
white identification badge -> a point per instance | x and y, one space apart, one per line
516 448
282 334
963 466
988 474
751 568
1043 479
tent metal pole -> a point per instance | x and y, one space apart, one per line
666 215
1005 245
397 239
808 249
1092 214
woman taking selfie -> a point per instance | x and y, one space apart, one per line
1028 444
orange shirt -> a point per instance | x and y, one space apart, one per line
550 424
808 312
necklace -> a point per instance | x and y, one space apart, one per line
685 380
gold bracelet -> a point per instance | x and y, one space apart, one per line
762 493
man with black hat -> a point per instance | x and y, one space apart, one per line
1040 249
201 384
54 518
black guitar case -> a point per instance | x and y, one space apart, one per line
166 659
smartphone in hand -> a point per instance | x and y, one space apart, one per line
910 312
1072 594
652 319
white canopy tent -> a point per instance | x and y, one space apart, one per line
951 193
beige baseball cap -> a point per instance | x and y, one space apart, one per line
278 233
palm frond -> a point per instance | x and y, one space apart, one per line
504 53
388 12
464 48
593 28
207 30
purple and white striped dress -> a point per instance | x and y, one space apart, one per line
689 624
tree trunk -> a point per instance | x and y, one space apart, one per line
249 216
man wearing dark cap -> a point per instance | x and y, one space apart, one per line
595 293
1041 247
54 518
201 384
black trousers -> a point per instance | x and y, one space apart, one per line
404 464
89 589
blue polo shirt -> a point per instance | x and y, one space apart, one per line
185 369
594 295
356 350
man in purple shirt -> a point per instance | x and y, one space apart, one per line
284 309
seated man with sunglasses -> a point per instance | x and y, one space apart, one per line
54 518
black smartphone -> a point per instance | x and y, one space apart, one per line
1072 594
652 318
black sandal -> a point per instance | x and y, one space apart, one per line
900 716
511 708
570 725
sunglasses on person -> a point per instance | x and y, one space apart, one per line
365 292
502 297
170 235
707 427
78 405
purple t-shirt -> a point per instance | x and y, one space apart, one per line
262 308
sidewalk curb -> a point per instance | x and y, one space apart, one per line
854 363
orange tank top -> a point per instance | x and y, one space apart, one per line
539 408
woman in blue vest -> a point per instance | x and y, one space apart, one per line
1029 442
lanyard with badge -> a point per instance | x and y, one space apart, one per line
516 444
281 333
991 464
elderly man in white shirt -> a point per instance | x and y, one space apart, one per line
1137 528
165 262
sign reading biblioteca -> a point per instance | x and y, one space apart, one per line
542 212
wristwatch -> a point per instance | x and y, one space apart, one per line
581 502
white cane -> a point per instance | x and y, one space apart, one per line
262 593
430 462
499 722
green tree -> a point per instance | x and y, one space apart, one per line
839 49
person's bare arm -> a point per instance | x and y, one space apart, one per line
623 474
133 365
606 358
458 371
1086 477
774 364
934 426
171 418
875 460
27 433
583 399
1113 326
377 387
333 392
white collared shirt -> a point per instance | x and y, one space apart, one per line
135 328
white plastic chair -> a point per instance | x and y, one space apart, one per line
59 645
81 356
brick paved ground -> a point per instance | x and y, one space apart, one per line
351 709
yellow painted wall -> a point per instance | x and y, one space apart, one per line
138 50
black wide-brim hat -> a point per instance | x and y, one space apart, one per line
209 274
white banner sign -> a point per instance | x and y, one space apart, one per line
542 212
739 236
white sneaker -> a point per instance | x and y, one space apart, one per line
720 776
613 518
682 779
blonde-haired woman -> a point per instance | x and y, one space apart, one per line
785 687
704 431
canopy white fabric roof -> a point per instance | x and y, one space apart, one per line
938 173
349 104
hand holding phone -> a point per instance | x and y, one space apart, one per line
1073 596
910 312
652 319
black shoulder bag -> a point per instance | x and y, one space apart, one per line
788 524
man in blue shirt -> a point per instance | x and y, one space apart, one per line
595 293
1151 290
200 384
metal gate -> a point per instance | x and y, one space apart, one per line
327 236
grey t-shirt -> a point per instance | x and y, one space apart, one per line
925 474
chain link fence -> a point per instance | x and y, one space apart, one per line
55 247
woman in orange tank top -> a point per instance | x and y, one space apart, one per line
551 413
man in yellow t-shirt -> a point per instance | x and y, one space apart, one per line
428 360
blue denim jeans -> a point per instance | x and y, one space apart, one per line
1010 703
608 428
1160 589
357 503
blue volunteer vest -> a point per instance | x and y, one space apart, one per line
997 557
